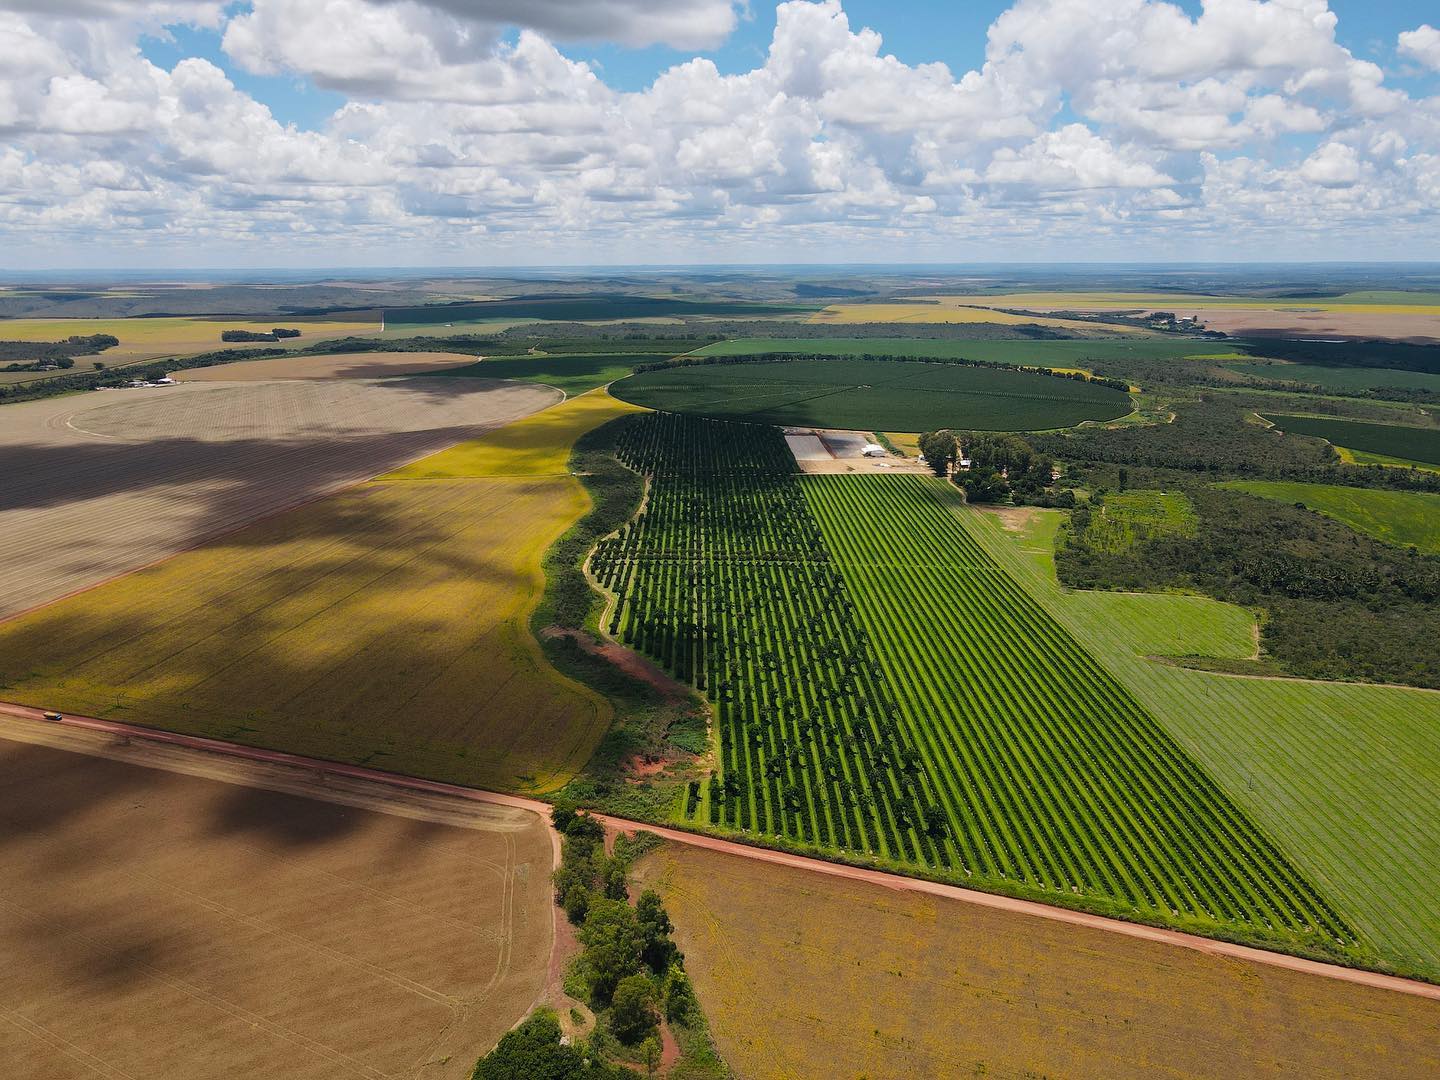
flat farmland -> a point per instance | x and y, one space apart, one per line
370 365
385 626
143 339
1358 822
102 483
806 975
1391 440
1039 353
884 688
158 924
875 395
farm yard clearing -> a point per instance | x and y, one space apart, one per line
385 625
866 965
101 484
240 931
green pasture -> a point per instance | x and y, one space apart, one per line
1343 378
1404 518
1392 440
1345 776
1065 353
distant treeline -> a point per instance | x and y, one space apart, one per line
277 334
43 355
788 357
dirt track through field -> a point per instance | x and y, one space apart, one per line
157 924
324 772
100 484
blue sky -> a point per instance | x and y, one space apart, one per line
530 132
916 31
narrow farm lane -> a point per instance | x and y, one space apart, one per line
390 788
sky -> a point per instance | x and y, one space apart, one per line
203 133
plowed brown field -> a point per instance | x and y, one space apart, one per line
160 925
803 975
372 365
102 483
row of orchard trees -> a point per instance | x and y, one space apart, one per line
725 579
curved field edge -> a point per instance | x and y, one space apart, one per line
387 625
666 811
1345 776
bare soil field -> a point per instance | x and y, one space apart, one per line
156 924
807 975
372 365
101 483
1396 326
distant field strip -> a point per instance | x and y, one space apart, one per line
882 686
1039 352
386 626
1345 776
875 395
1342 378
1406 518
1392 440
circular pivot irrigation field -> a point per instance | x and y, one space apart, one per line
875 395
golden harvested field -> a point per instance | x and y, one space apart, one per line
101 483
142 339
373 365
1384 315
944 309
805 975
386 625
161 925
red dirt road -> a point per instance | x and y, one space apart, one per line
819 866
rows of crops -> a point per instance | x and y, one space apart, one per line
881 685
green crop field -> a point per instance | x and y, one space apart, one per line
573 373
1037 352
1406 518
1392 440
883 686
1343 378
1344 775
875 395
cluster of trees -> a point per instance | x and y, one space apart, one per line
276 334
53 355
630 966
535 1051
1339 604
957 361
1001 466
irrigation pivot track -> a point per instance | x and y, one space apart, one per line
32 724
